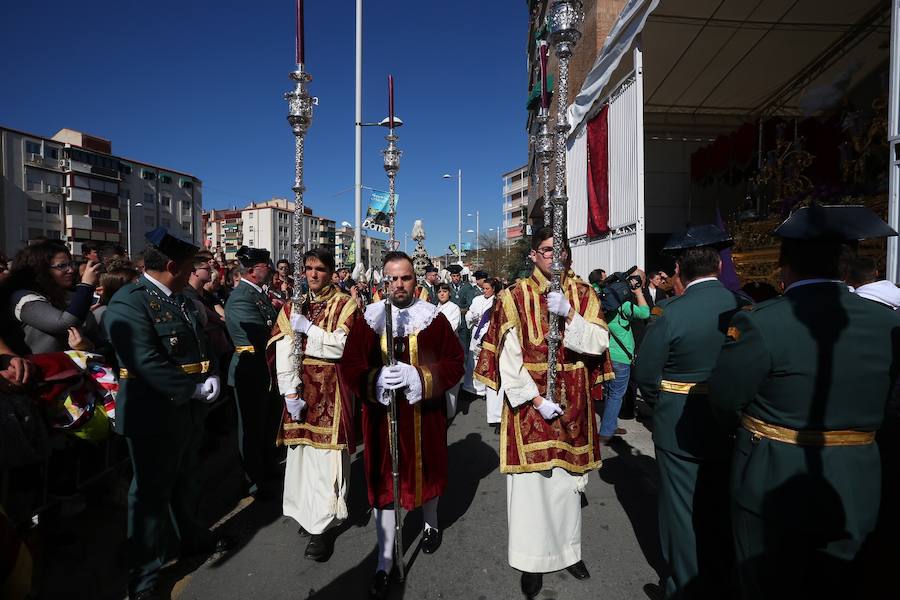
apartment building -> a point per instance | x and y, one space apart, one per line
71 187
515 204
373 249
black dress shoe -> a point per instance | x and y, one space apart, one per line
578 570
302 532
497 428
380 586
532 584
211 545
320 547
431 540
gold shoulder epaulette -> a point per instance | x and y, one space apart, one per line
748 307
656 311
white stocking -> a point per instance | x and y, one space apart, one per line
385 521
429 511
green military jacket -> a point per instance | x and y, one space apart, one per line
680 347
818 358
462 296
156 338
249 317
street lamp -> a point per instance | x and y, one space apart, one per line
136 205
477 216
458 178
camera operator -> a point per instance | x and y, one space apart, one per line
633 309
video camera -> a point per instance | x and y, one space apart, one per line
617 289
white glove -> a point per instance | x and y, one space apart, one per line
399 376
199 392
211 388
299 323
380 389
294 406
549 410
557 304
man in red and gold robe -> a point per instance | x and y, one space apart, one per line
546 448
317 424
429 362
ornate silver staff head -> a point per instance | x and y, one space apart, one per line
392 155
565 18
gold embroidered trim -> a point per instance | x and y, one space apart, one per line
417 421
190 368
680 387
243 349
805 437
427 382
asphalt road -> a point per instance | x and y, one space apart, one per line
619 537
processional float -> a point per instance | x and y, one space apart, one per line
565 17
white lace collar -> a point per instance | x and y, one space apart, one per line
407 321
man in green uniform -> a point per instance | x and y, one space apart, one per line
803 381
249 317
166 382
461 294
677 354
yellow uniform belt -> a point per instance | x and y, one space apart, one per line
680 387
799 437
242 349
190 369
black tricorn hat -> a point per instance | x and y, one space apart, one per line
173 247
431 269
455 269
696 237
481 275
252 256
818 223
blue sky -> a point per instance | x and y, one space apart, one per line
198 86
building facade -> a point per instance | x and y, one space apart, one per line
71 187
515 204
268 225
373 249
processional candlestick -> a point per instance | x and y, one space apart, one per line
565 18
300 109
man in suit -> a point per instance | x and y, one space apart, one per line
677 354
249 317
167 381
802 383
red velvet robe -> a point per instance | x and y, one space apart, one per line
436 353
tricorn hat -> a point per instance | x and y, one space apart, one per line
696 237
252 256
818 223
455 269
481 274
173 247
431 269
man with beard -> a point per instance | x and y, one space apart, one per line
547 448
317 425
429 361
249 316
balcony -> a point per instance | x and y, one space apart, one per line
78 222
68 165
105 225
78 195
512 188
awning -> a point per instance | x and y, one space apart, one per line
733 58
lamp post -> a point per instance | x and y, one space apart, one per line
458 178
477 216
137 204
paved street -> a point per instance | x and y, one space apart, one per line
619 536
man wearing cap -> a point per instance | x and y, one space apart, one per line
318 423
166 383
461 294
547 448
803 382
249 316
677 354
428 290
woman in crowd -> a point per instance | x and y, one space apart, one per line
54 312
211 297
452 312
117 276
493 400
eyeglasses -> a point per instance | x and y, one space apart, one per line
547 252
63 266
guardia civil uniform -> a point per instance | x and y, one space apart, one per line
249 317
677 354
163 356
462 294
803 382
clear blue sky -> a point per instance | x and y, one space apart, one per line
197 86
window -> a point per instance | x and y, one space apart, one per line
150 220
186 227
165 179
166 202
32 148
125 168
52 208
33 182
35 206
148 198
186 207
53 234
101 213
147 174
53 153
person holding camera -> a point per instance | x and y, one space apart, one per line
633 309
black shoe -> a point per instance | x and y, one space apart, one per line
320 547
380 586
149 594
578 570
431 540
497 428
302 532
532 584
209 546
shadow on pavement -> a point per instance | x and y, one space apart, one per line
635 480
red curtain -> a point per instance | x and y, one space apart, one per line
598 174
